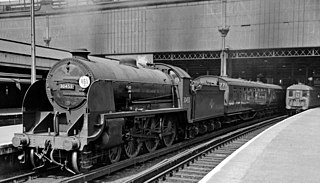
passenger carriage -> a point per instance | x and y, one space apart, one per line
247 98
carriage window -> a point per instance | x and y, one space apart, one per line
305 93
290 93
235 96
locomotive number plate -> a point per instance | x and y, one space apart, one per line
67 86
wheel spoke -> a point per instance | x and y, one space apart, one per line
132 148
151 144
114 154
168 132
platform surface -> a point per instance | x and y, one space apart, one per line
10 111
287 152
7 132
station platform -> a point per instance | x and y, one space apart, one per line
10 116
6 134
10 111
286 152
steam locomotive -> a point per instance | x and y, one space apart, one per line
301 97
92 109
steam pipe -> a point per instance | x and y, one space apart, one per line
56 124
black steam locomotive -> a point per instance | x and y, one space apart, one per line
93 110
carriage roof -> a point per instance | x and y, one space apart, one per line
300 87
237 82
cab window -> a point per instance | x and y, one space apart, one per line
304 93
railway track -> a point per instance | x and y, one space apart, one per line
21 178
51 174
192 165
173 164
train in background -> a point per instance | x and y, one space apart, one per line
92 109
301 97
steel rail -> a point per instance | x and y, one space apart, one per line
35 174
20 178
107 170
168 166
